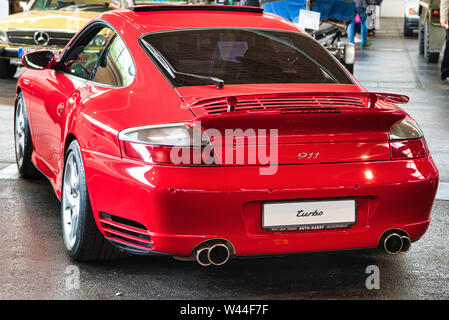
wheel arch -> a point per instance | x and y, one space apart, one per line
68 140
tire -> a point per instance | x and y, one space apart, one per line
7 71
407 31
421 38
22 141
430 57
82 239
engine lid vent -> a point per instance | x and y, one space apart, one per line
309 104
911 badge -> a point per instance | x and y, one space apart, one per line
308 155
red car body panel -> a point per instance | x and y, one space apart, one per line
181 206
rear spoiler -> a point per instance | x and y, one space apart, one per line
187 7
391 97
372 97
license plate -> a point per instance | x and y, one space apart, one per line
308 215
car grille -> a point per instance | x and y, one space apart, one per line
56 39
290 104
127 233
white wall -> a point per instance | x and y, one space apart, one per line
393 8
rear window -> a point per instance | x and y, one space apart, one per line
243 56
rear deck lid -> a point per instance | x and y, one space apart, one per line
304 127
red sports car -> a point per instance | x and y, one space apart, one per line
213 132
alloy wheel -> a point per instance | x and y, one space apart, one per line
20 132
71 201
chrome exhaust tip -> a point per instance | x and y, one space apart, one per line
218 254
213 252
202 256
406 244
393 243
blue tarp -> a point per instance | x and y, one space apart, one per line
288 9
329 9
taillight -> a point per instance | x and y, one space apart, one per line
436 13
166 144
407 149
407 140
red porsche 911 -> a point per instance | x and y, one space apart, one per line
213 132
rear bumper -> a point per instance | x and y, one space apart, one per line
184 206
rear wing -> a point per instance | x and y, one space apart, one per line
297 100
178 7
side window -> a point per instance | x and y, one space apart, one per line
83 58
116 67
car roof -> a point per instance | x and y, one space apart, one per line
155 18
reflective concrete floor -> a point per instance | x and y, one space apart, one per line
33 263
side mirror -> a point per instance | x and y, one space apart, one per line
39 60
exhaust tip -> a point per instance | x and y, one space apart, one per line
213 252
202 257
218 254
393 243
406 244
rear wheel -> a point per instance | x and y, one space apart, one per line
7 71
22 141
430 57
82 239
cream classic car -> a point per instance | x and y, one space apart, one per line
46 24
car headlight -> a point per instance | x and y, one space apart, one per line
3 37
406 129
155 143
407 140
